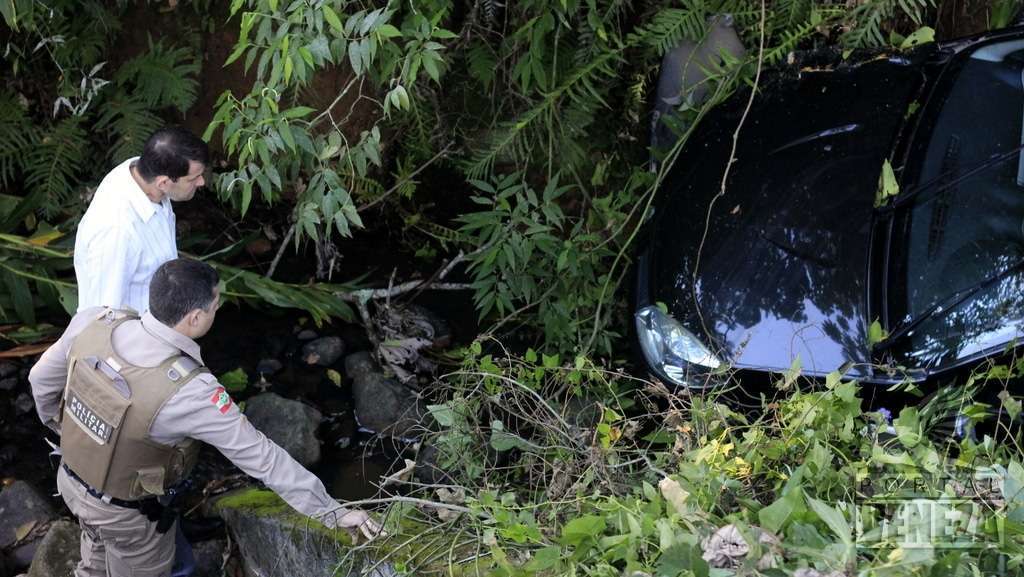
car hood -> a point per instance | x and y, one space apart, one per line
783 265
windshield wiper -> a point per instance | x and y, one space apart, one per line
946 183
945 306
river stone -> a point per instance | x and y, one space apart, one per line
427 469
58 552
21 504
8 369
277 541
323 351
209 557
268 366
290 424
24 404
382 404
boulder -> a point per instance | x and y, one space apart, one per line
21 509
306 335
277 541
324 351
382 404
58 552
290 424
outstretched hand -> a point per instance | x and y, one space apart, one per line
356 521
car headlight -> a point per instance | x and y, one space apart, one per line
671 349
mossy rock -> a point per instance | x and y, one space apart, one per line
276 540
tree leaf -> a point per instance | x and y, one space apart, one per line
544 559
775 516
443 414
576 531
332 18
887 184
833 519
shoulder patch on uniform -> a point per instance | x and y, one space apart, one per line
181 367
221 399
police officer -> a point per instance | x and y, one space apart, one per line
131 400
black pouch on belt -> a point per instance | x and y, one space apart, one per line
152 510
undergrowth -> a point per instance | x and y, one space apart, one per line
547 467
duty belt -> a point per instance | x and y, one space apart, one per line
139 504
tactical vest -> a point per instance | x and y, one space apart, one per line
109 407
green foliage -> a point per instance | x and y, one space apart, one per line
31 273
280 148
55 164
552 90
319 300
234 381
161 77
44 261
1002 13
17 136
61 119
809 480
671 25
870 18
128 122
533 255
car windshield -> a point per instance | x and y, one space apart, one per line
967 226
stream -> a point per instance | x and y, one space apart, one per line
352 460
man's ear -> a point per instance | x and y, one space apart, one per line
193 317
162 182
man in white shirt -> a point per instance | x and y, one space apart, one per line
128 230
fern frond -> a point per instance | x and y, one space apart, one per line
129 123
52 165
788 16
482 63
791 38
17 135
671 25
578 87
86 29
161 76
867 20
488 10
366 189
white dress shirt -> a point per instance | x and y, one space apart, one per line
121 241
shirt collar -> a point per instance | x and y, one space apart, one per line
137 198
171 336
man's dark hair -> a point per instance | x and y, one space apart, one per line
179 287
168 151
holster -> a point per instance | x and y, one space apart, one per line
154 511
168 506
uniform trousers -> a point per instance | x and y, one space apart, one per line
116 541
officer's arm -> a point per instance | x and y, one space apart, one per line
202 410
50 373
